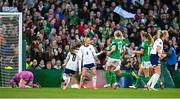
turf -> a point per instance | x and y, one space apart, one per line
87 93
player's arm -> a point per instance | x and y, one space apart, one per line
94 52
139 52
112 50
22 84
160 52
67 59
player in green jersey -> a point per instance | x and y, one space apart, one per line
109 75
145 58
115 55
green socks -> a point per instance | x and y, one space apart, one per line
146 79
138 81
113 78
108 77
126 74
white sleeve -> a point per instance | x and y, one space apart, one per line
94 51
67 58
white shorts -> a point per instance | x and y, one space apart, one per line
113 62
146 64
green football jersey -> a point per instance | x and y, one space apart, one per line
147 48
118 51
108 48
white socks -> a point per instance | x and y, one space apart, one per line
94 79
66 80
155 79
152 82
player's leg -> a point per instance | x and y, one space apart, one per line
94 77
113 79
156 75
108 73
107 76
145 68
146 74
83 76
138 78
116 73
66 79
154 62
151 71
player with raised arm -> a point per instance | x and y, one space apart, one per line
144 51
89 56
72 64
156 55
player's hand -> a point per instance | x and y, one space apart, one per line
109 52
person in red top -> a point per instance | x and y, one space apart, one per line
81 28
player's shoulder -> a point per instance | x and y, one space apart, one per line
91 46
81 47
159 41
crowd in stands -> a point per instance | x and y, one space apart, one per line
51 25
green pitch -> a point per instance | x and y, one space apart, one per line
87 93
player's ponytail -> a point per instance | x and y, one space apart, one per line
150 39
163 32
157 35
74 46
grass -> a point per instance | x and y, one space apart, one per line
87 93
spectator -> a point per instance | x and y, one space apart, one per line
53 62
171 58
58 65
49 66
34 64
50 26
41 64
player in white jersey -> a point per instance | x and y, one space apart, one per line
89 56
72 63
156 55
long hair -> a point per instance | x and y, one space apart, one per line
148 37
74 46
155 37
163 32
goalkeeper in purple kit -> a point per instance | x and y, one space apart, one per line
23 79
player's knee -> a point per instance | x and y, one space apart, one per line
65 77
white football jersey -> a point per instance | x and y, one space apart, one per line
88 54
73 60
158 42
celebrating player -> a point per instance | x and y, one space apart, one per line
114 55
156 55
147 40
88 56
110 75
72 63
22 79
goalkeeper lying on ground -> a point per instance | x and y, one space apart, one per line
23 79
